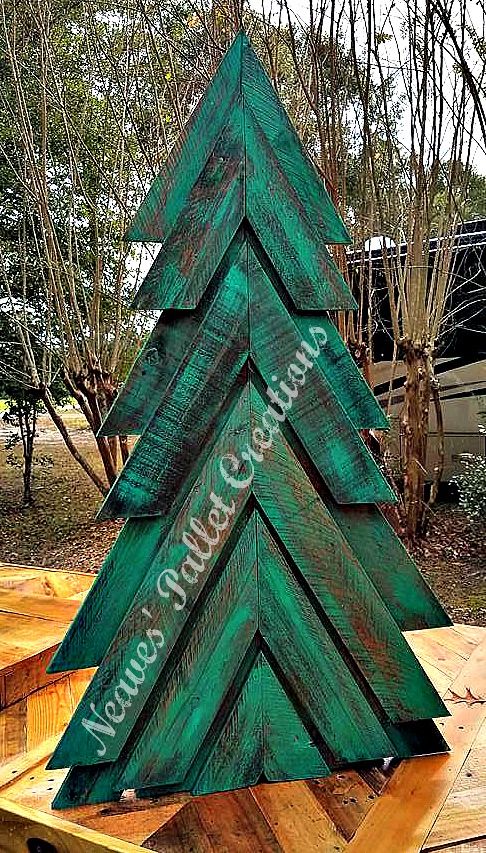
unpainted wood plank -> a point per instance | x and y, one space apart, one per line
21 637
20 823
24 763
453 640
297 819
218 823
346 798
55 609
13 730
78 684
414 796
476 846
25 781
48 712
476 633
463 814
35 580
27 675
461 818
446 660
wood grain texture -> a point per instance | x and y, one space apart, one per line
421 788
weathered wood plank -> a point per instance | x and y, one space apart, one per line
329 437
220 640
170 190
266 108
164 617
275 214
200 237
216 823
237 758
348 599
289 751
18 824
162 466
54 609
422 786
312 669
346 798
389 566
297 819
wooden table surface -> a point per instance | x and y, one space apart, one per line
431 803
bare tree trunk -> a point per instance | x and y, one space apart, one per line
61 426
439 417
415 426
27 419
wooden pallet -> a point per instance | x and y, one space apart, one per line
433 803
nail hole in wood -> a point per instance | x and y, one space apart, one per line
37 845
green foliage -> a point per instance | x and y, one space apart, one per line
471 483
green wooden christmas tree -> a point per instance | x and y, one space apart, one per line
247 623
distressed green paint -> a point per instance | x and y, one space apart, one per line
240 71
169 192
289 750
237 757
286 659
317 416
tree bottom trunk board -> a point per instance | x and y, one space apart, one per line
432 803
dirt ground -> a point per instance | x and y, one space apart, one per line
60 531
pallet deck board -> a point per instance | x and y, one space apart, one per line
427 804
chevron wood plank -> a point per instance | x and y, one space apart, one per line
264 104
336 449
342 588
162 609
152 372
196 244
236 760
289 750
312 667
169 192
343 375
389 566
222 649
159 464
346 798
273 211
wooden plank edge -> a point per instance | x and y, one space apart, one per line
20 823
473 843
13 769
